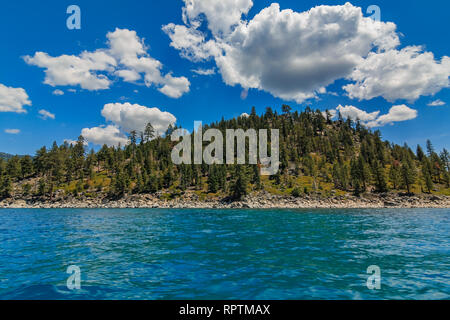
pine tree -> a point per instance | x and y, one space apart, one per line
6 187
139 187
408 174
152 184
42 188
241 183
149 132
428 181
420 154
26 165
445 157
427 172
256 177
395 175
213 181
430 148
168 178
380 179
447 179
286 109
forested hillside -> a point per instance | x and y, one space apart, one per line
5 156
317 155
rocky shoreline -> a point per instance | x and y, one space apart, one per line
262 200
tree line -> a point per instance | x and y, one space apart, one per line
343 153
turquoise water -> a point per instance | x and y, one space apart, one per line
224 254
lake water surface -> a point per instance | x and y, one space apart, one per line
224 254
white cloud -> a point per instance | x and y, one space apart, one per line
70 70
12 131
188 41
405 74
135 117
126 57
126 117
109 135
296 55
174 87
292 55
436 103
355 113
204 72
396 114
221 15
245 115
131 53
58 92
13 99
46 114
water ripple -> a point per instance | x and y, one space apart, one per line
224 254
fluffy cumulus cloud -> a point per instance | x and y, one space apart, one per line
399 74
221 15
12 131
396 113
355 113
174 87
13 99
70 70
135 117
109 135
124 118
296 55
126 58
44 114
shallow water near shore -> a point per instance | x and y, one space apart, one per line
224 254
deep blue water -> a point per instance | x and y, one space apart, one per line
224 254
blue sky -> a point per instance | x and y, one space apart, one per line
27 27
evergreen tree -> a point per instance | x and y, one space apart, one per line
408 174
380 179
420 154
286 109
149 132
256 177
240 184
445 158
26 165
213 180
6 187
395 175
430 148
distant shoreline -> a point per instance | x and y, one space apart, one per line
257 201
